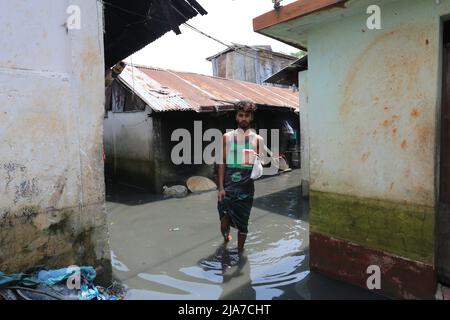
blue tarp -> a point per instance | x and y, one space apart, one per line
86 290
17 279
52 277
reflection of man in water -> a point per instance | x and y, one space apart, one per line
236 187
231 264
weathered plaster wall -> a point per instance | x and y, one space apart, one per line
374 107
304 132
51 109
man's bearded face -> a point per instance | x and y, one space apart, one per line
244 119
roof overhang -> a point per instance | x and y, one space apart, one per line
275 23
288 76
291 23
294 10
131 25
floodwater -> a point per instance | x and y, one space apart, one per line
172 248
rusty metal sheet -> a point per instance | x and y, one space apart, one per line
205 93
156 96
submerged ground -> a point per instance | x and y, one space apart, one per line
172 248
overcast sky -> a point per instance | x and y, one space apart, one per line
227 20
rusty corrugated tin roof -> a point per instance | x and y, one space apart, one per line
156 96
165 90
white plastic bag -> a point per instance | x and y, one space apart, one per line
257 170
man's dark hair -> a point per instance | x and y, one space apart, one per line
246 106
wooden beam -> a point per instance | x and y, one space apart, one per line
294 10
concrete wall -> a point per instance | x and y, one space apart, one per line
128 140
373 113
51 109
304 133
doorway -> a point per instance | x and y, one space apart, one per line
443 215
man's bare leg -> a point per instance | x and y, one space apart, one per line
225 228
241 241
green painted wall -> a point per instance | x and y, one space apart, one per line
401 229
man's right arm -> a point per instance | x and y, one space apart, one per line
221 194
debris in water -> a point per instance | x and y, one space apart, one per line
177 191
70 283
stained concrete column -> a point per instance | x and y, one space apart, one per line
304 132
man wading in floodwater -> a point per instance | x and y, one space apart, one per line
236 187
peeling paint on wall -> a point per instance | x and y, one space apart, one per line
376 119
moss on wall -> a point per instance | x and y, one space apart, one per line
33 236
402 229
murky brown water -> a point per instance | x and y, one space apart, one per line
172 248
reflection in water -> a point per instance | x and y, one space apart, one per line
262 271
188 290
280 264
268 280
254 274
192 264
117 264
274 260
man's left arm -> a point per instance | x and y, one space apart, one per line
263 152
259 145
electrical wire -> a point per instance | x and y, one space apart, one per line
231 47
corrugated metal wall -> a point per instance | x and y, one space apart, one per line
249 65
